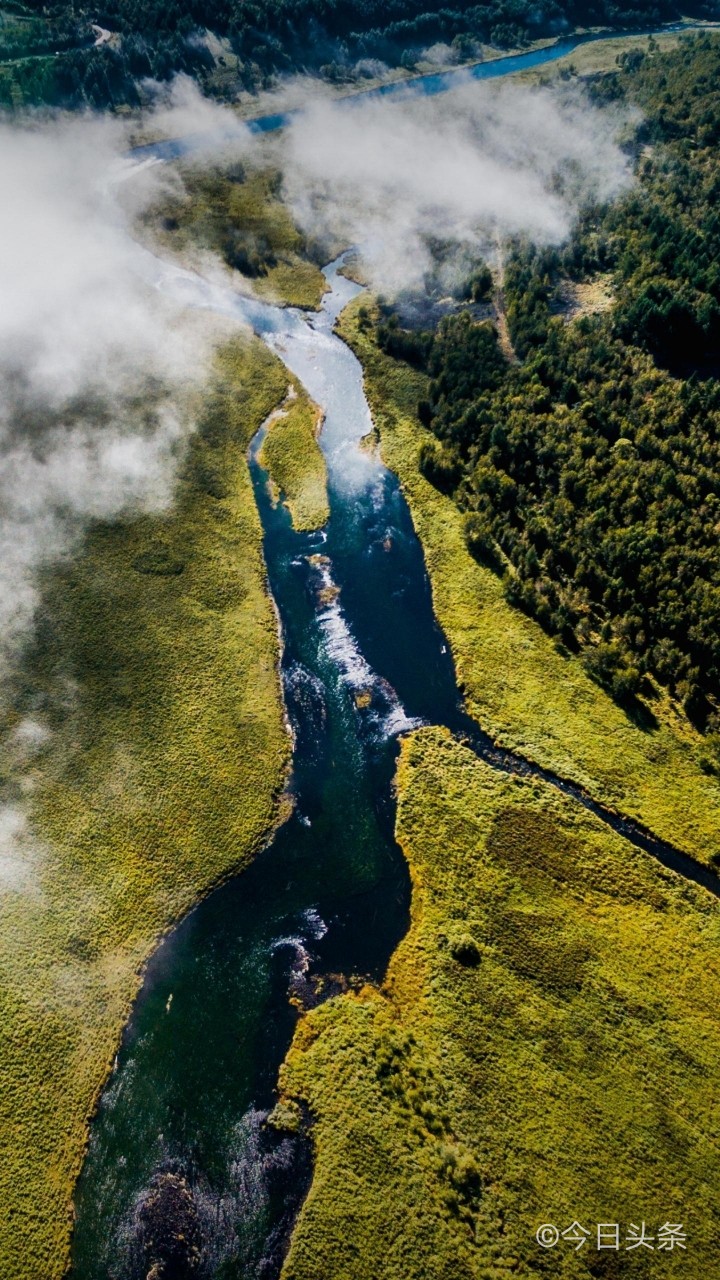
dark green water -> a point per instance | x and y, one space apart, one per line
198 1064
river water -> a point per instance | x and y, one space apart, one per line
363 660
429 85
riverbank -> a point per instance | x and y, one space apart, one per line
234 212
157 664
544 1048
518 686
597 57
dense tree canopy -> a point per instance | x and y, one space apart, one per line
590 471
159 37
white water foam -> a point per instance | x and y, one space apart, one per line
302 958
385 708
315 923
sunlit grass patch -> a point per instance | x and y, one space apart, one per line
544 1049
154 669
293 457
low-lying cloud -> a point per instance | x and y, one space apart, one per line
91 357
481 161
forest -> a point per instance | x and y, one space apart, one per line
589 469
340 39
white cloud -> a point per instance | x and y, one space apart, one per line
82 337
179 110
388 174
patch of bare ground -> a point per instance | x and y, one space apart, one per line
588 298
505 341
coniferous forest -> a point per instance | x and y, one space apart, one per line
51 53
589 466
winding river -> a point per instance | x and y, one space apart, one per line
428 85
363 660
198 1064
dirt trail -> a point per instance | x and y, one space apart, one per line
501 321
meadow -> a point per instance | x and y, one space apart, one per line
295 462
544 1050
159 771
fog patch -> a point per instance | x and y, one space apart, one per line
18 851
179 110
479 162
371 68
95 365
99 381
438 55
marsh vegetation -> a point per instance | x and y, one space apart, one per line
295 463
540 1050
153 670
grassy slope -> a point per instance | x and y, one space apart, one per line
295 461
214 207
518 686
162 774
572 1073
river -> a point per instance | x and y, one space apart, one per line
363 660
199 1059
428 85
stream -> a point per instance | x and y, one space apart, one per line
179 1136
180 1123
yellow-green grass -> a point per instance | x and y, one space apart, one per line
545 1049
241 207
292 456
155 668
600 56
518 685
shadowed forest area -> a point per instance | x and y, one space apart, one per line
70 55
588 471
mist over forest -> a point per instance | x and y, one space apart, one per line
359 640
102 55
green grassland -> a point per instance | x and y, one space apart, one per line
598 57
518 683
238 214
544 1049
155 668
292 456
